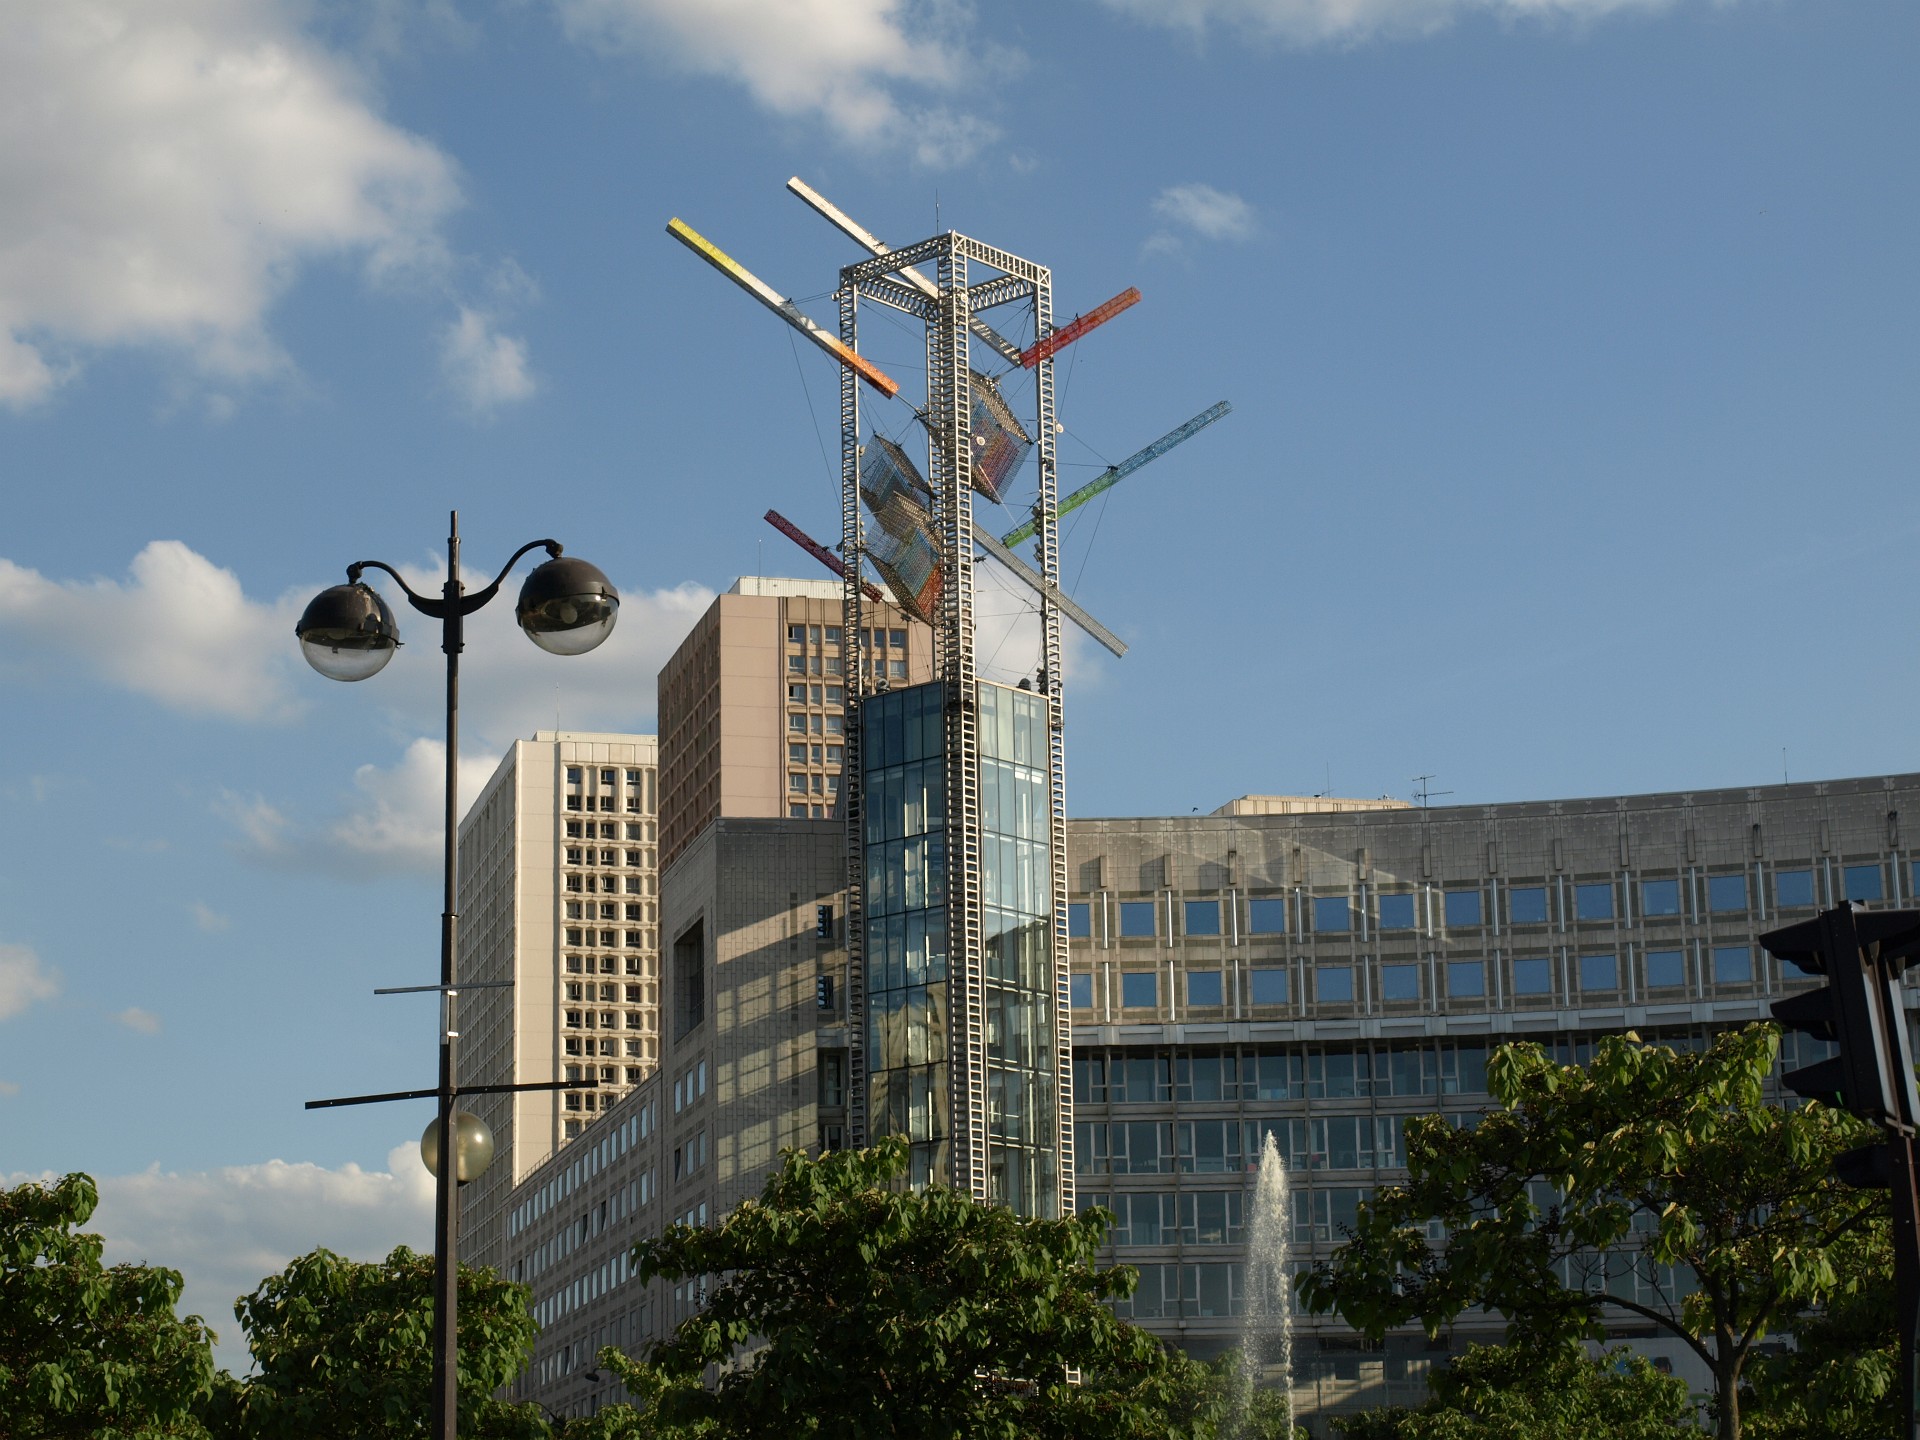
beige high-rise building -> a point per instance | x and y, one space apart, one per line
559 899
751 705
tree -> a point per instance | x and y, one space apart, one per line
1495 1392
344 1349
86 1349
1648 1182
838 1304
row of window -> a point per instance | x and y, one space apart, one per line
588 855
879 639
1410 981
580 1045
608 1146
691 1085
608 964
1128 1077
609 777
608 1075
579 935
609 830
1601 901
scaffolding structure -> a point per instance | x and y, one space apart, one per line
949 282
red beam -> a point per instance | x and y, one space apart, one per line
1080 324
819 552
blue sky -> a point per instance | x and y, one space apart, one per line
1571 348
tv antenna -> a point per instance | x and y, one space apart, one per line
1422 793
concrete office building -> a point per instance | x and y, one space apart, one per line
752 704
1316 976
559 898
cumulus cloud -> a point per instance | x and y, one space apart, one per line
178 630
226 1230
24 980
846 63
169 167
1197 211
484 367
391 818
143 1022
1311 22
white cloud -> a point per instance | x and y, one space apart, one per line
170 165
210 919
846 63
144 1022
1309 22
1199 211
484 368
24 980
227 1230
392 818
178 630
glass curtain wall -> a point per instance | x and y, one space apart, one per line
1017 914
904 837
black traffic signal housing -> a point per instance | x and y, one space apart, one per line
1862 953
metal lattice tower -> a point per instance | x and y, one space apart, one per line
951 315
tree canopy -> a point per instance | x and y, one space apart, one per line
343 1348
840 1304
87 1349
1648 1183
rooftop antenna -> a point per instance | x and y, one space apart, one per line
1422 793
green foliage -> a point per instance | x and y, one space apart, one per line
89 1350
344 1349
841 1305
1837 1382
1495 1392
1644 1159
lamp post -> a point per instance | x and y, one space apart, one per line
348 632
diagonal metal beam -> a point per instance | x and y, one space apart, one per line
1050 593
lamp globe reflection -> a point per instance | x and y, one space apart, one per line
348 632
472 1147
567 606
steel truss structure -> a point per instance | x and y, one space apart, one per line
967 278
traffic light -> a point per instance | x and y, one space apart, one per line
1862 954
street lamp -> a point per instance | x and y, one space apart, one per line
348 632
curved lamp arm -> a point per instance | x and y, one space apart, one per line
466 604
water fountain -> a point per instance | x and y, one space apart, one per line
1266 1323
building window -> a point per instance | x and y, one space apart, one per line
1864 882
796 634
1659 897
1203 917
1136 918
1080 991
1726 892
1399 982
1269 985
1593 902
1203 987
1466 979
1333 984
1666 969
1266 917
1599 972
689 980
1732 965
1533 977
1396 912
797 721
1331 914
796 754
836 724
1463 908
574 776
1527 905
1080 920
1793 889
1139 989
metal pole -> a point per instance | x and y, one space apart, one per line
445 1412
1906 1273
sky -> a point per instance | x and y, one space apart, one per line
1571 344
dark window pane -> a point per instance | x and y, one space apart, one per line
1864 882
1533 977
1079 921
1660 897
1527 905
1203 917
1666 969
1203 987
1139 989
1599 972
1266 917
1396 912
1726 892
1080 991
1463 907
1793 888
1466 979
1269 987
1333 983
1331 914
1593 902
1400 982
1732 965
1136 917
